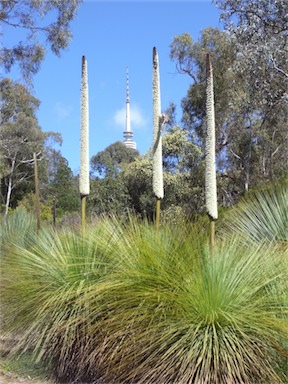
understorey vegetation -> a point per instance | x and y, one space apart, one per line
124 303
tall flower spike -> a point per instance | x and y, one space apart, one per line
157 139
84 149
210 170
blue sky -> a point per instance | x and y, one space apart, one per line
114 35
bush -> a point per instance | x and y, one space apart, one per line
263 215
123 303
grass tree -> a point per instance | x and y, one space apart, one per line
261 215
125 304
84 185
58 276
176 315
157 139
210 161
17 228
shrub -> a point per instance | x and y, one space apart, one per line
263 215
178 316
124 303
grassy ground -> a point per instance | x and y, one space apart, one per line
22 370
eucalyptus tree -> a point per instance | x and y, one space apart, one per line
190 60
259 28
20 137
109 192
137 176
110 161
40 23
121 178
183 172
250 144
183 175
59 184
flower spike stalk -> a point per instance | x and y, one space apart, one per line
84 140
210 161
157 139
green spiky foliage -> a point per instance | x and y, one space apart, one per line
178 316
263 215
124 304
17 227
45 289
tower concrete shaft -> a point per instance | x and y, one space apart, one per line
128 134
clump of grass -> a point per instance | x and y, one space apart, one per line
262 216
17 227
123 303
176 315
44 292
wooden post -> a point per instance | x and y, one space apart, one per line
54 212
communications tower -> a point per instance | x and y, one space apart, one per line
128 134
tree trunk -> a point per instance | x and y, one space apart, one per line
37 195
247 165
9 190
8 196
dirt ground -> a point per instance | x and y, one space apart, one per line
10 378
7 376
11 373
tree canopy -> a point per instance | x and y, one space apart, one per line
109 161
20 136
250 92
41 23
251 135
259 29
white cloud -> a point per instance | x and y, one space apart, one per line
62 111
138 120
119 117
